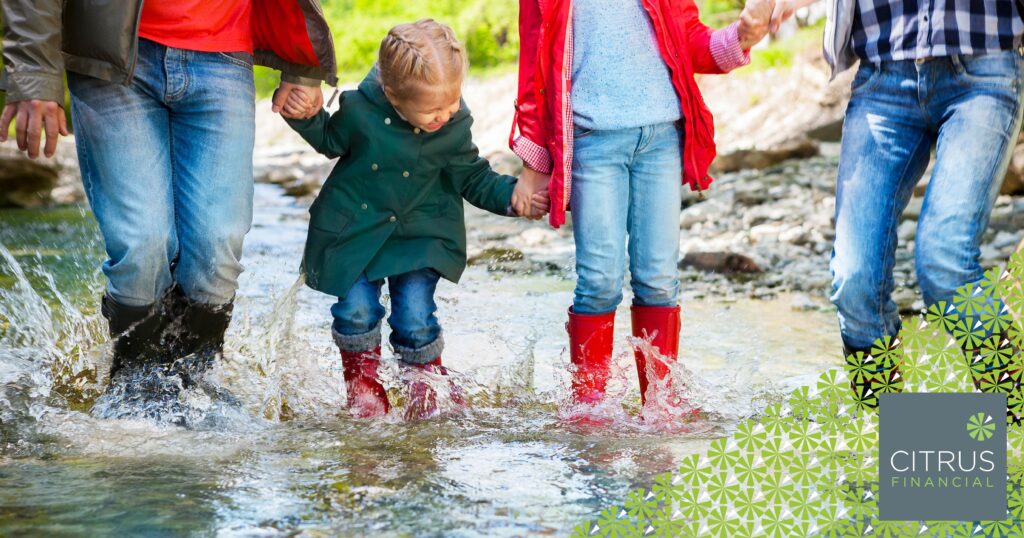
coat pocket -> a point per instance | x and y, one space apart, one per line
326 233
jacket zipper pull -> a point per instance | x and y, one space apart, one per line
333 96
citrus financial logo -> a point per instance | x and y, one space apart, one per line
929 469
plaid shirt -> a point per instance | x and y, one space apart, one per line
911 29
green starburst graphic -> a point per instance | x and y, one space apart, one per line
981 427
809 466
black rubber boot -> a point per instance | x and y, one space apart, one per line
137 332
199 339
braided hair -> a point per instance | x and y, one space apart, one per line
422 56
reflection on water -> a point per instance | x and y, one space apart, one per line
281 456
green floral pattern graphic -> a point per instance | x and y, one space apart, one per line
808 467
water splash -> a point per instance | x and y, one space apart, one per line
269 448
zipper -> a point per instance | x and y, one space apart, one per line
135 45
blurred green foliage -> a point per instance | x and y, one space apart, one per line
488 28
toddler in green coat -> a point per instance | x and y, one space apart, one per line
392 207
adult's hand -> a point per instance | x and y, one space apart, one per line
784 10
530 182
32 118
754 20
312 98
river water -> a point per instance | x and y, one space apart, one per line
280 456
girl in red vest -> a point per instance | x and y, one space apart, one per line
608 107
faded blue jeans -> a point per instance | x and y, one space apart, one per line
415 331
966 107
167 166
626 182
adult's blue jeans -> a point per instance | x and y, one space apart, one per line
415 331
626 182
966 107
167 166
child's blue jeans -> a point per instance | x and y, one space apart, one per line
415 331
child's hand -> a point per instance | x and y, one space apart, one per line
296 101
754 22
541 202
530 184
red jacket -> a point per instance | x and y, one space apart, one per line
543 109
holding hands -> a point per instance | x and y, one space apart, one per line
754 22
297 102
784 10
530 197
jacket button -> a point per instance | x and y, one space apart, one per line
364 206
374 166
405 174
416 130
387 121
392 218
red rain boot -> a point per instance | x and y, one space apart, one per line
366 396
660 326
590 351
422 396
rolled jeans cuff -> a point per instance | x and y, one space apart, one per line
421 355
356 343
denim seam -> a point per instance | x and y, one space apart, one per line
889 239
1004 150
184 73
83 166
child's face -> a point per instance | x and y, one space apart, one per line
429 111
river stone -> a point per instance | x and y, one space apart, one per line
505 260
726 263
758 159
1014 182
907 230
25 182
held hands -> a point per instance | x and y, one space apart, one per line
784 10
32 118
530 197
297 102
754 22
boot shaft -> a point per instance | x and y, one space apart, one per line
659 326
591 339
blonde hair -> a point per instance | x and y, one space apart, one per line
422 56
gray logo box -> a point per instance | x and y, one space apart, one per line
922 436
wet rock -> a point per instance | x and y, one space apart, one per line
765 233
34 183
907 230
759 159
727 263
302 187
803 302
509 260
1014 182
533 237
831 131
1004 240
904 298
913 210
